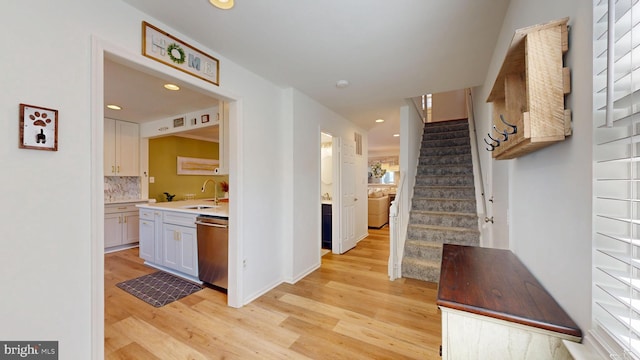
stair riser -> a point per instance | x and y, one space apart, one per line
445 135
424 253
459 180
450 150
445 160
444 237
445 170
447 205
445 143
438 128
445 220
430 274
444 193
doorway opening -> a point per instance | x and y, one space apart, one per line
101 52
326 190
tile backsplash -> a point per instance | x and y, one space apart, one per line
118 188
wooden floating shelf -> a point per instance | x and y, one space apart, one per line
530 88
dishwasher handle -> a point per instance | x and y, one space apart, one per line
211 225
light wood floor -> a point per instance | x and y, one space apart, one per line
348 309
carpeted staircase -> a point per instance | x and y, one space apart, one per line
444 206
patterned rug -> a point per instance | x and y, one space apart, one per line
159 288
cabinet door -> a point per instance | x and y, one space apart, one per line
170 246
130 232
109 147
147 240
157 215
188 251
112 230
127 149
180 249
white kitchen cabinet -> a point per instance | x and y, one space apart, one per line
121 148
150 235
168 240
180 249
121 228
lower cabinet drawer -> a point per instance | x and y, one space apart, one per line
178 218
118 208
147 214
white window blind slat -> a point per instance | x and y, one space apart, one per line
616 202
622 238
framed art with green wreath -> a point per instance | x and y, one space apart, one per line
169 50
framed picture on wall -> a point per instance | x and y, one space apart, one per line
38 128
169 50
196 166
178 122
204 118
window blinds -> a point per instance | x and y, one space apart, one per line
616 256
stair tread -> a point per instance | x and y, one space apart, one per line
421 243
457 175
444 228
425 160
444 155
448 213
447 199
418 261
446 187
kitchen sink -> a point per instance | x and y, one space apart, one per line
200 207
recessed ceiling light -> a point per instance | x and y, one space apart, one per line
380 120
172 87
341 84
396 135
114 107
222 4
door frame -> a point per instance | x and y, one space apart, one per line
99 49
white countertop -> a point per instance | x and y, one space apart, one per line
222 209
130 201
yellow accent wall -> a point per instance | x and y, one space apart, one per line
163 153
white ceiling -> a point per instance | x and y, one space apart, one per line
388 50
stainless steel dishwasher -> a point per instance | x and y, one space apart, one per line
213 250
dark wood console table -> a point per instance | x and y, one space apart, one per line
493 307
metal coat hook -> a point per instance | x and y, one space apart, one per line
514 129
494 140
505 134
494 144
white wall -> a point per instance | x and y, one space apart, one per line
47 229
308 119
411 129
450 105
546 196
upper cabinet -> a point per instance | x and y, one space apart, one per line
528 95
121 148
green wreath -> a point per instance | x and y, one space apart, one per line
177 60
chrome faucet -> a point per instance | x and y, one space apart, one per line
215 189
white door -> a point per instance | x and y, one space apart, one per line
348 195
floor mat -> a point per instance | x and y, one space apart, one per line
159 288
